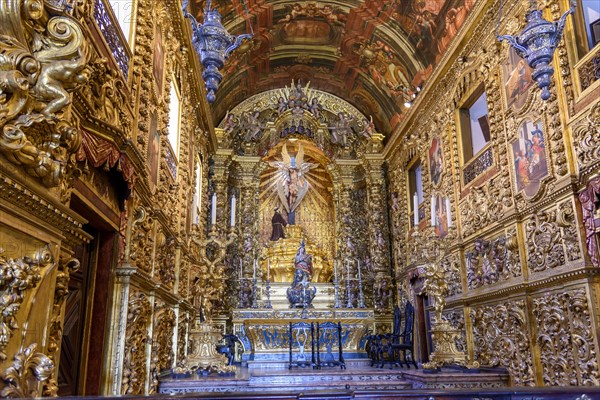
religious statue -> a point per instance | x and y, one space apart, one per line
299 294
278 222
291 183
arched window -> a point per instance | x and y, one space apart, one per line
197 201
174 119
124 11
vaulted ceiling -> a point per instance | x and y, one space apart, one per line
372 53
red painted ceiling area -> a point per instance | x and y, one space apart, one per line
372 53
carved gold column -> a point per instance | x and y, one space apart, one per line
343 184
250 170
221 162
378 232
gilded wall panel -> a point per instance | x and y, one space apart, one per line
501 338
493 261
136 337
552 238
565 336
586 141
162 355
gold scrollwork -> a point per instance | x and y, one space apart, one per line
43 57
29 368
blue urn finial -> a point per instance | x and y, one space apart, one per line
536 45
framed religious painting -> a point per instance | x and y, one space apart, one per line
517 80
436 161
529 156
441 215
158 60
153 149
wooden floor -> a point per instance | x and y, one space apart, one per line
358 377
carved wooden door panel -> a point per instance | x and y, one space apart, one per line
75 319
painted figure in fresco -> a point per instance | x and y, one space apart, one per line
277 222
522 166
436 163
530 157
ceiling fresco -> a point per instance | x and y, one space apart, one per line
373 53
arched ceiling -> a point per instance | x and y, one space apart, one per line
372 53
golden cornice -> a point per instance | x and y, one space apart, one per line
528 287
35 200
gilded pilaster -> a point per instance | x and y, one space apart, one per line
378 233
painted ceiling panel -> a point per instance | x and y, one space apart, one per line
373 53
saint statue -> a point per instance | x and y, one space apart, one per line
278 222
299 294
291 183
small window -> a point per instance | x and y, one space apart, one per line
415 185
197 202
174 119
591 17
474 126
123 11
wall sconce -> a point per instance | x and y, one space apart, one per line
213 44
537 42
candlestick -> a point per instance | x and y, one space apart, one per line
348 292
432 210
416 209
448 213
336 286
254 270
213 210
361 297
241 270
268 269
232 211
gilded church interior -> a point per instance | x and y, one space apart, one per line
358 162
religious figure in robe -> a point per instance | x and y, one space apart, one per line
291 183
299 294
277 222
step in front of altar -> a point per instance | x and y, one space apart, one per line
297 379
283 365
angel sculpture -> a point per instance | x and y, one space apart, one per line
291 184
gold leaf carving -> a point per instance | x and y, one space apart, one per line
16 277
501 335
44 58
566 339
22 377
586 140
134 363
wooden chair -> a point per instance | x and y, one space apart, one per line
406 344
300 336
387 342
328 334
397 342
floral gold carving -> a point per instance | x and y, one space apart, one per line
43 58
566 339
16 277
134 363
586 140
552 238
486 204
493 261
162 344
501 335
23 376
